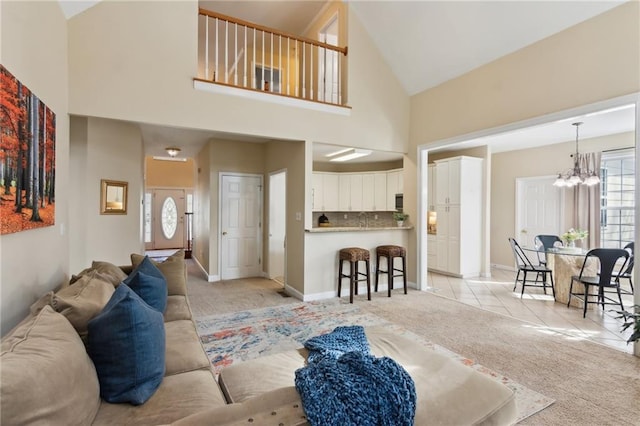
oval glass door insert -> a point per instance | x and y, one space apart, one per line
169 218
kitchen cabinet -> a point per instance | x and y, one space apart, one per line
350 192
394 186
459 208
325 189
374 191
361 192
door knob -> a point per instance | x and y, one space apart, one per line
224 233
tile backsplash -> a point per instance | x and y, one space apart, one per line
370 219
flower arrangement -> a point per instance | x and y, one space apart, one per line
574 235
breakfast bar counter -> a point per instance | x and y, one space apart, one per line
325 229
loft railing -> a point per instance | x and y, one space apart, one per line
238 53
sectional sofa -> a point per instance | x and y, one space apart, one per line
51 371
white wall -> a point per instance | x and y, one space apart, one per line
33 47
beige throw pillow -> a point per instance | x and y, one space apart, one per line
110 272
173 269
83 300
46 375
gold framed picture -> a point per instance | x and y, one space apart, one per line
113 197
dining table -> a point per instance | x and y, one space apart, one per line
564 263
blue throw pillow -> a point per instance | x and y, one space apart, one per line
126 342
149 283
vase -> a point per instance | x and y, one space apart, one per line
400 222
571 244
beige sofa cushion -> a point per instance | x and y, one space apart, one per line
177 308
184 351
83 300
46 375
281 406
448 392
173 269
110 272
178 396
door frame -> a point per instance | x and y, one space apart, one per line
284 220
151 190
219 224
519 207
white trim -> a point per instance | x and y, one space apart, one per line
293 292
503 267
272 98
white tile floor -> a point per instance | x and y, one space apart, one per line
496 294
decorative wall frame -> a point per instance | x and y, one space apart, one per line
113 197
27 158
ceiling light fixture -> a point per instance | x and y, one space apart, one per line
348 154
577 175
172 151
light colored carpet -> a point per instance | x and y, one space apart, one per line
241 336
592 384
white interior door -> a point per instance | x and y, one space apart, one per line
168 218
240 226
277 225
539 208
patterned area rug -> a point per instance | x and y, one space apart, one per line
242 336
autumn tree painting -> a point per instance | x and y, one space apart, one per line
27 158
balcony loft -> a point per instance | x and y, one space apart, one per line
242 58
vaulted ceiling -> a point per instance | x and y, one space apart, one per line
424 42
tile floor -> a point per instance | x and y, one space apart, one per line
496 294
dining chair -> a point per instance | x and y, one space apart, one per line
525 266
628 272
612 263
547 242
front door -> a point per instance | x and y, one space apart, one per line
538 209
240 226
168 218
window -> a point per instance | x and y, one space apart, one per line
617 200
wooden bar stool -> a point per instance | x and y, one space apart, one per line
353 255
391 252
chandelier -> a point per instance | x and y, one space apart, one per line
577 175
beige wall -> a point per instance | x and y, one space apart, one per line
169 174
202 208
105 149
144 72
288 156
543 161
596 60
35 261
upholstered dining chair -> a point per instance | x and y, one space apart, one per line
547 242
612 263
525 266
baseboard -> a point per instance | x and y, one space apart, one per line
209 278
503 267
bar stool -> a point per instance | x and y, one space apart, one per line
353 255
391 252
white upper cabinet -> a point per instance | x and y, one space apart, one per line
325 190
394 186
361 192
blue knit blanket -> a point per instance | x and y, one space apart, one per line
343 384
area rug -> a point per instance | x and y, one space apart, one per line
242 336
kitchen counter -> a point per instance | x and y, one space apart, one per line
356 229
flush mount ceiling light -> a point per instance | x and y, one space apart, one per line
577 175
172 151
348 154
